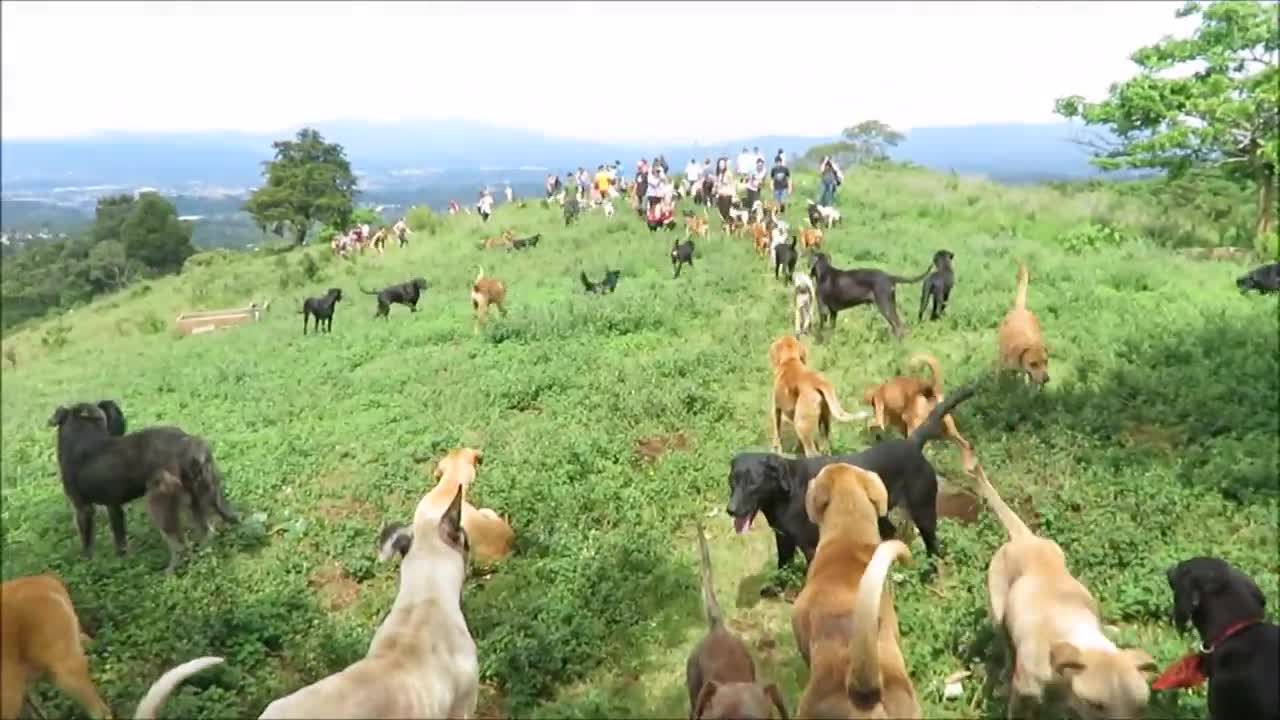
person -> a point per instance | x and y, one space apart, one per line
753 182
781 156
553 185
693 173
485 205
831 179
756 156
602 183
781 178
726 188
655 191
745 162
584 185
708 182
454 207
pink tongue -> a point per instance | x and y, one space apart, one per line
741 525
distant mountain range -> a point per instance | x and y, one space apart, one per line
419 153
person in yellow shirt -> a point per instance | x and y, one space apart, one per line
602 182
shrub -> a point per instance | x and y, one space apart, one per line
422 220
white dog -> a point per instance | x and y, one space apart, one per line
805 297
422 661
608 208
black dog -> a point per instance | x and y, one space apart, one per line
321 308
1265 279
1239 653
606 285
571 211
100 465
938 285
843 289
406 293
523 243
776 486
784 258
681 254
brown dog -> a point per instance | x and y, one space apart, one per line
803 396
907 401
490 536
502 240
1021 347
810 237
696 226
846 636
720 674
1051 623
760 238
486 292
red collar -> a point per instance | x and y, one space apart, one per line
1186 672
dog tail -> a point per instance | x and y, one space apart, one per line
480 274
863 680
837 412
715 618
932 427
160 691
1012 523
586 284
935 371
1020 301
897 280
366 292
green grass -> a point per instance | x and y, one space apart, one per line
1155 441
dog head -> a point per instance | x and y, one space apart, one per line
784 350
738 700
429 523
335 294
943 258
819 263
1203 585
85 414
463 460
753 479
1035 362
420 283
1103 683
858 494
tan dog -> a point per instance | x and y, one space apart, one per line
42 637
422 660
846 636
1021 347
760 237
1051 622
490 536
720 674
485 292
502 240
801 395
811 237
906 402
696 226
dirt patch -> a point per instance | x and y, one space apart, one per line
1163 439
337 589
334 509
958 505
651 448
491 704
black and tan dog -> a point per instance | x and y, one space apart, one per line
843 289
321 308
406 293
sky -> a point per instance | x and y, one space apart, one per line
603 71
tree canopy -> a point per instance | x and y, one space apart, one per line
868 141
1209 101
309 181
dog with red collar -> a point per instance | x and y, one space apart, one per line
1238 653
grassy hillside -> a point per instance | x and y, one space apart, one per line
607 425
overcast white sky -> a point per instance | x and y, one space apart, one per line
593 70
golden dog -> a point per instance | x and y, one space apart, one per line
803 396
502 240
845 634
1020 344
760 237
696 226
907 401
1051 623
811 237
486 292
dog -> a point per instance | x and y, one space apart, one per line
846 637
608 208
1264 278
811 238
785 257
486 292
695 227
906 401
822 215
1239 653
720 674
801 395
775 485
607 285
804 300
406 293
759 237
1018 337
937 285
843 289
502 239
1051 623
100 466
525 243
321 308
681 255
42 637
422 660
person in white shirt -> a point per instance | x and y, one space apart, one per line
508 192
693 174
746 162
485 205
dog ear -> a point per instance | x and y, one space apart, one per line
705 695
394 538
59 416
873 486
439 471
818 497
775 695
451 523
1066 659
1142 660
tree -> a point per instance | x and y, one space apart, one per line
309 181
109 266
153 235
868 141
1222 116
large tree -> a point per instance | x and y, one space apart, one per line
309 181
147 228
868 141
1209 101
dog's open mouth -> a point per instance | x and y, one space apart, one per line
744 523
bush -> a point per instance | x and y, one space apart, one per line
422 220
1092 236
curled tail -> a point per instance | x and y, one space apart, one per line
1020 301
586 284
863 680
932 427
837 412
480 274
1012 523
935 371
160 691
367 292
897 280
715 618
